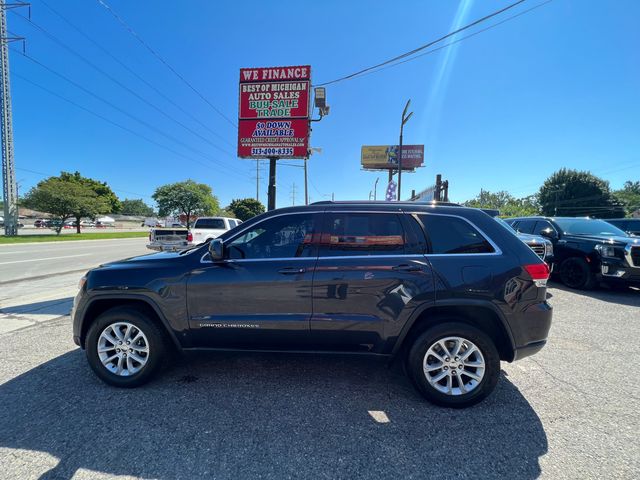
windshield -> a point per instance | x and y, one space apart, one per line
586 226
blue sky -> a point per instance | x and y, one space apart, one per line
555 87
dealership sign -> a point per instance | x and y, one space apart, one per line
273 114
385 157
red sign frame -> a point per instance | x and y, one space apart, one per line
273 112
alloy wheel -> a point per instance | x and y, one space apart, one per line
454 366
123 349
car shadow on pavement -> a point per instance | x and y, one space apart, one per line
59 306
629 296
248 415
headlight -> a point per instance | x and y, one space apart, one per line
549 246
606 251
82 282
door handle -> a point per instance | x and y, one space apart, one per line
291 270
407 268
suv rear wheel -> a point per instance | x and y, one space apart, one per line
125 347
454 365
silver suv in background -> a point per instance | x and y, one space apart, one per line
207 228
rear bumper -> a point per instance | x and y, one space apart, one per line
528 350
532 329
174 247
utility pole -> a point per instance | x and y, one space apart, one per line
257 180
10 187
405 119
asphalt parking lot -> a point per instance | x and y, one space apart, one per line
571 411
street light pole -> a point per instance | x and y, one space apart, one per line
405 119
375 189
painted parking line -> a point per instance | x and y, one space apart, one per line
48 258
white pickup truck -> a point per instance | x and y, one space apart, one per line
206 228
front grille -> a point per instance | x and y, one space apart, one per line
635 256
538 248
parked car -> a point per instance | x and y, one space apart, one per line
40 223
446 290
542 247
169 239
206 228
628 225
586 250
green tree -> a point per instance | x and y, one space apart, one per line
65 199
507 204
186 198
101 188
629 196
246 208
574 193
136 207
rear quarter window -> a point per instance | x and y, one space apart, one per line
453 235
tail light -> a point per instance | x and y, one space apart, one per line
539 273
189 237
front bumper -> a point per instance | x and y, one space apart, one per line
616 270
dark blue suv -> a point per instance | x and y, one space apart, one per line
446 289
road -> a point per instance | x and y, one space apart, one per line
39 280
572 411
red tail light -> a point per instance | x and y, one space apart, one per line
189 237
537 271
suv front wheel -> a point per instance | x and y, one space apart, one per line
454 365
125 347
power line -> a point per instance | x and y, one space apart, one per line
124 112
122 127
132 72
117 82
130 29
43 174
446 45
415 50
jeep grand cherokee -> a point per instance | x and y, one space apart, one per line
445 289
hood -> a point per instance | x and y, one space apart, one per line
607 239
529 238
143 260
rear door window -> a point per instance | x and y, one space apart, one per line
347 234
453 235
210 223
232 223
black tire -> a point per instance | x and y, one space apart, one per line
423 343
156 339
576 273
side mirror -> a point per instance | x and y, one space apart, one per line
549 233
216 250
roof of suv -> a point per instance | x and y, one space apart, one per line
442 207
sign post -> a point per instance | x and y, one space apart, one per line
273 116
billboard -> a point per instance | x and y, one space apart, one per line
273 112
385 157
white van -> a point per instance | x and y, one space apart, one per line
206 228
